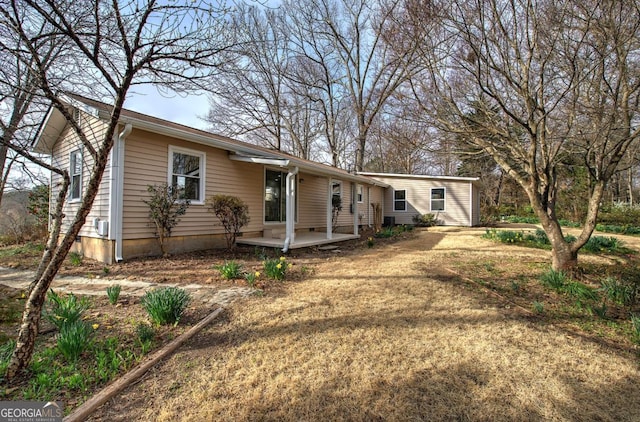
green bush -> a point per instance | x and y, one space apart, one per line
113 293
73 339
62 310
166 305
424 220
230 270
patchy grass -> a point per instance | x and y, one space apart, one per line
392 334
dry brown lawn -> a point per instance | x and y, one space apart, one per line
390 334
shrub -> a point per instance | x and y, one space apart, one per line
113 293
230 270
166 305
62 310
232 212
73 339
166 205
276 268
554 279
424 220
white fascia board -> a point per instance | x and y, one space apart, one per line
420 176
260 160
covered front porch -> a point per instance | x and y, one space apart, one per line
302 240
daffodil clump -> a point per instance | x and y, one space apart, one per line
252 278
276 268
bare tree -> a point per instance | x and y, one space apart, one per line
20 103
550 83
372 58
111 47
248 97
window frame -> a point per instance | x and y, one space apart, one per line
443 200
337 183
283 200
202 156
360 194
396 201
72 174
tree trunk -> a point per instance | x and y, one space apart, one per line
563 258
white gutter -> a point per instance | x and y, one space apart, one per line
260 160
117 188
290 209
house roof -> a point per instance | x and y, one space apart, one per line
421 176
54 123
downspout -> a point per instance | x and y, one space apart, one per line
117 195
471 203
290 209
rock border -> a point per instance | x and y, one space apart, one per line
84 410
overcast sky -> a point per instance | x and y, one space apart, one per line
183 109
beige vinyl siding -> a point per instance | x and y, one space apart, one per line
376 196
312 201
67 143
418 197
147 163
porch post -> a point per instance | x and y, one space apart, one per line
354 206
329 209
290 208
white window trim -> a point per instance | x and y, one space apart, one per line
71 197
203 165
444 199
406 208
360 194
264 186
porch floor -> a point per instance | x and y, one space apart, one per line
302 240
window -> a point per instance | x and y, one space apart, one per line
437 199
360 195
187 172
400 200
336 195
75 172
275 196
